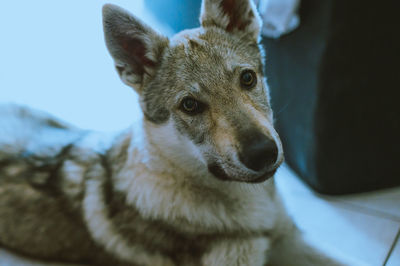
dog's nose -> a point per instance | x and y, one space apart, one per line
258 151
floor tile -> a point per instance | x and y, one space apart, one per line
394 259
358 237
384 202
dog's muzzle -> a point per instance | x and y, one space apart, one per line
258 160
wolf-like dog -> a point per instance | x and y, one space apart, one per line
190 184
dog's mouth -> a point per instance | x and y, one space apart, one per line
219 173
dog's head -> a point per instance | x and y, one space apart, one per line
203 93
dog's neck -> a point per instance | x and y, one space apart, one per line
157 183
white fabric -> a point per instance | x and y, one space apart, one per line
279 16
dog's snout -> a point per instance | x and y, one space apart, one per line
258 151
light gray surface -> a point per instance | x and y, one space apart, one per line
394 259
348 227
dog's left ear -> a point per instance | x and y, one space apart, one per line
135 47
236 16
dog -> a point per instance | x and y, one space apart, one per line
190 184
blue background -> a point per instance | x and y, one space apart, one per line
53 58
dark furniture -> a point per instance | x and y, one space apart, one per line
335 85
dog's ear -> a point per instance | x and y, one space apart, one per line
135 47
232 15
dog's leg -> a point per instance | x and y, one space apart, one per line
292 250
251 252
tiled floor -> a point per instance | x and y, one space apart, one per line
394 259
363 229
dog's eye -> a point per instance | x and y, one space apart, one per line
190 105
248 79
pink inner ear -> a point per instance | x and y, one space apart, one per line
239 17
136 51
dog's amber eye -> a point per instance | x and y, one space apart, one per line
190 105
248 79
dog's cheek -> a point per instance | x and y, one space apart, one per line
191 128
154 109
158 116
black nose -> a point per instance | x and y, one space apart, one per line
258 151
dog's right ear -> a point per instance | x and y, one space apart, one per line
135 47
235 16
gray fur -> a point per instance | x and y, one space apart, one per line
150 195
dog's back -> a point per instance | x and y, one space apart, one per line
25 132
34 147
32 144
29 144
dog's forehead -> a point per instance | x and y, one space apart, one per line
212 49
210 56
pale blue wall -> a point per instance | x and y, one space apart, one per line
53 57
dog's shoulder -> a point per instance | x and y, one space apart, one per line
49 155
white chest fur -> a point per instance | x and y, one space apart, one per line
161 190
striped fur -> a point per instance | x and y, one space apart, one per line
172 189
